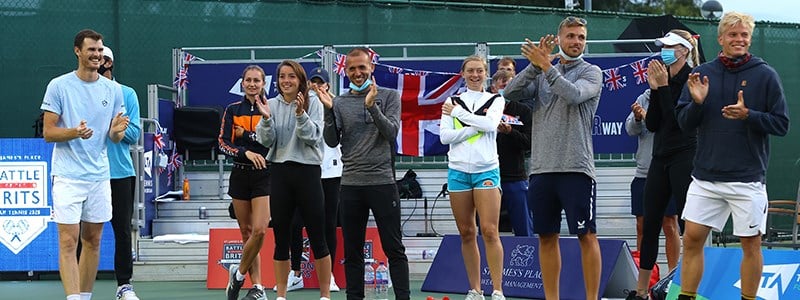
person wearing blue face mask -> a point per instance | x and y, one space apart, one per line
669 174
365 120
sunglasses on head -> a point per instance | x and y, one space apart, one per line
575 20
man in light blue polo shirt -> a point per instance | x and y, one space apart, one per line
82 111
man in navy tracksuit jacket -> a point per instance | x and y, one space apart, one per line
734 102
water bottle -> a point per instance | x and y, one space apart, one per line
369 281
382 282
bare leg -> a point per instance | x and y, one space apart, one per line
463 208
253 226
281 272
550 261
323 266
752 264
90 254
67 258
487 202
673 240
639 226
692 265
592 264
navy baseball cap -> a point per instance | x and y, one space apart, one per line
320 73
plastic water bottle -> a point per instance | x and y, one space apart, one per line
369 281
382 282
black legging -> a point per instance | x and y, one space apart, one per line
330 186
296 186
668 177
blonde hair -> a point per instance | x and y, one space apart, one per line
475 58
730 19
693 57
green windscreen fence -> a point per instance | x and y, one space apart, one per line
37 43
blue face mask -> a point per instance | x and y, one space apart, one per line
566 57
500 92
668 56
361 88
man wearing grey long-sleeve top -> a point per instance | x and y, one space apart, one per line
365 121
565 96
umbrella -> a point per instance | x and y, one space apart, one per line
651 28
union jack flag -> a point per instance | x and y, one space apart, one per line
175 162
639 71
421 73
373 56
613 80
158 141
395 70
188 57
182 78
341 59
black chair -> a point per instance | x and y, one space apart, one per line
196 130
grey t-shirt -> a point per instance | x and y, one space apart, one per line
367 136
565 101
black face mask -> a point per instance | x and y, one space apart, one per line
102 70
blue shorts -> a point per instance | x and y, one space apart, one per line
637 199
574 193
458 181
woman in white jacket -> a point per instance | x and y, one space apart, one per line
469 125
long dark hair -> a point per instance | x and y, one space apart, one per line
301 75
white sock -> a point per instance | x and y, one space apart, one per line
74 297
239 276
86 296
258 286
324 298
497 292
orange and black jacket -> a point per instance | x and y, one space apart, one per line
247 116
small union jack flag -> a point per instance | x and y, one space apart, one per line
175 162
421 73
613 80
158 141
188 57
395 70
182 78
373 56
341 59
319 52
639 71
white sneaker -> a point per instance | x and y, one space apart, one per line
474 295
292 284
125 292
334 287
498 295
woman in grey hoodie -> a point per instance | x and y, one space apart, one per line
291 127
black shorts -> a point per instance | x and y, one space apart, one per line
247 183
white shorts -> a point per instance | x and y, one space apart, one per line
76 200
710 203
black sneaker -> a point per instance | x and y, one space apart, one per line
632 296
255 294
233 287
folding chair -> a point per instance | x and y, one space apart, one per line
781 210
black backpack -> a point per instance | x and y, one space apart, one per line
408 186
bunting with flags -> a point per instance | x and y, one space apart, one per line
639 71
613 80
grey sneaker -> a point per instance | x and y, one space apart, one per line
233 287
497 295
125 292
255 294
474 295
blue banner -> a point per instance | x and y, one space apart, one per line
28 235
780 277
522 276
217 85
